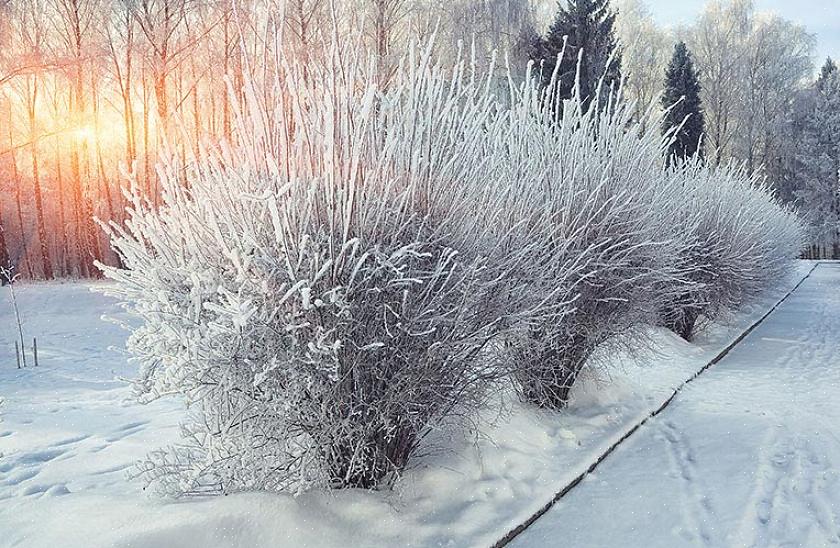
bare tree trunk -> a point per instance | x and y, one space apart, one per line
124 77
19 201
79 211
161 101
100 162
105 186
46 263
4 250
89 201
61 250
228 47
82 252
381 40
128 108
147 172
62 221
196 109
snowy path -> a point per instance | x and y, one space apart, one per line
747 455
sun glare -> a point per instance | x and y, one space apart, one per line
85 134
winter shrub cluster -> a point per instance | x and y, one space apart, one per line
365 265
743 242
599 174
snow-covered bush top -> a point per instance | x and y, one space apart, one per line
744 237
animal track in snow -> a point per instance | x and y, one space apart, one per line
23 468
696 508
791 483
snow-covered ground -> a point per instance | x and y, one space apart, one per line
747 455
70 432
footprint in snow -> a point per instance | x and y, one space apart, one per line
126 430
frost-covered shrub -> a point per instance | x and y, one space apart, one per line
362 266
646 242
327 290
745 242
600 175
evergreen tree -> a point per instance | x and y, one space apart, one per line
529 44
826 72
682 97
587 29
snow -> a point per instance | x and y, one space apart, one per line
70 433
747 455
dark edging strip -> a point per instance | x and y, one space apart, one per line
591 468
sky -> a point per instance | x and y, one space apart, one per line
820 17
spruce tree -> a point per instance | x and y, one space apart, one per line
828 70
529 44
682 97
586 27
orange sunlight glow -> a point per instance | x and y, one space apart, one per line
85 135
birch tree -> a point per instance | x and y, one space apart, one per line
718 40
646 49
818 162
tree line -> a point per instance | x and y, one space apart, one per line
94 92
749 96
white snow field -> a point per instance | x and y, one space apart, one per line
743 455
747 455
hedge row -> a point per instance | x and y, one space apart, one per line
364 265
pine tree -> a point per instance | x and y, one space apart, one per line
586 27
682 97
